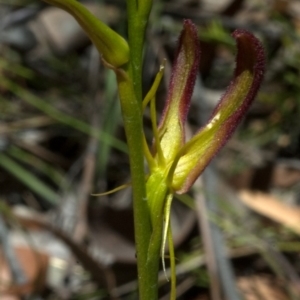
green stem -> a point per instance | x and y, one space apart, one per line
138 13
132 116
130 89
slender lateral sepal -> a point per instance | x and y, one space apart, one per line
166 230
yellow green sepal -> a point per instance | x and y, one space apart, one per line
113 47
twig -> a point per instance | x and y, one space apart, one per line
207 236
221 271
10 255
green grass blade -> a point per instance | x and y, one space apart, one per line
47 169
32 182
63 117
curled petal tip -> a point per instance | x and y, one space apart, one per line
250 55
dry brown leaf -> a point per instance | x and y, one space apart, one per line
96 269
35 266
261 287
271 207
285 177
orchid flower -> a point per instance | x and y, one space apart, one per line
175 164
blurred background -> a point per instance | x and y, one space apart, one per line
61 140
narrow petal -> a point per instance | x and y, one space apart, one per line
110 45
184 72
199 151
